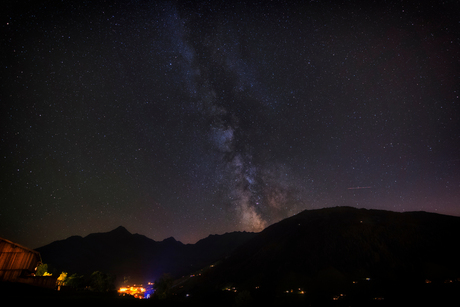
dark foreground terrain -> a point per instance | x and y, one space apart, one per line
441 294
338 256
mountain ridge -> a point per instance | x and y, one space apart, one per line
356 242
353 255
314 247
121 253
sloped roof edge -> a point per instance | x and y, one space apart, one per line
20 246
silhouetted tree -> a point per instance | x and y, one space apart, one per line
42 270
62 279
163 285
102 282
76 281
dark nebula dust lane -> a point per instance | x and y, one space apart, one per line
184 119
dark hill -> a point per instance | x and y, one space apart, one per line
123 254
331 250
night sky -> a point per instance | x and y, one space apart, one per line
190 118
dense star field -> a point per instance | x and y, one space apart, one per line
190 118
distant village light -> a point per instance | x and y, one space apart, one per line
138 291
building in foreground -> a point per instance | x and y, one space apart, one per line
19 263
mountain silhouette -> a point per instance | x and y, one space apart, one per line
120 253
321 253
341 250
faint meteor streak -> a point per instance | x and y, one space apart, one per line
357 188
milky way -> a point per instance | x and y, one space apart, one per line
186 119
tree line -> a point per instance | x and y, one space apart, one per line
96 281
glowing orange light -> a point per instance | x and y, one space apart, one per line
136 291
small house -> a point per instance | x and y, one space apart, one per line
19 263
